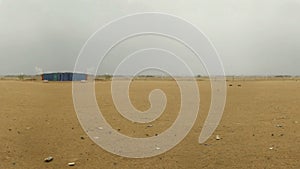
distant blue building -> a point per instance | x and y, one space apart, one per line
64 76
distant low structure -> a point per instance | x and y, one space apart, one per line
64 76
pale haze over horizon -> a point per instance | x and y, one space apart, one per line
252 37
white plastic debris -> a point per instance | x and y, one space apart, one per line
218 137
157 148
48 159
45 81
71 164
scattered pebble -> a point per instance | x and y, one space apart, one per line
150 125
271 148
48 159
100 128
218 137
71 164
278 125
82 138
28 128
96 137
157 148
296 122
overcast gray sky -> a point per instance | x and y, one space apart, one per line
253 37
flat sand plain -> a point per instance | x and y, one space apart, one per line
260 127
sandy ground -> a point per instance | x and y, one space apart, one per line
38 120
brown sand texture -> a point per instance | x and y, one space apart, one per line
260 128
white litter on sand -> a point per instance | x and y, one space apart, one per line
71 164
48 159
